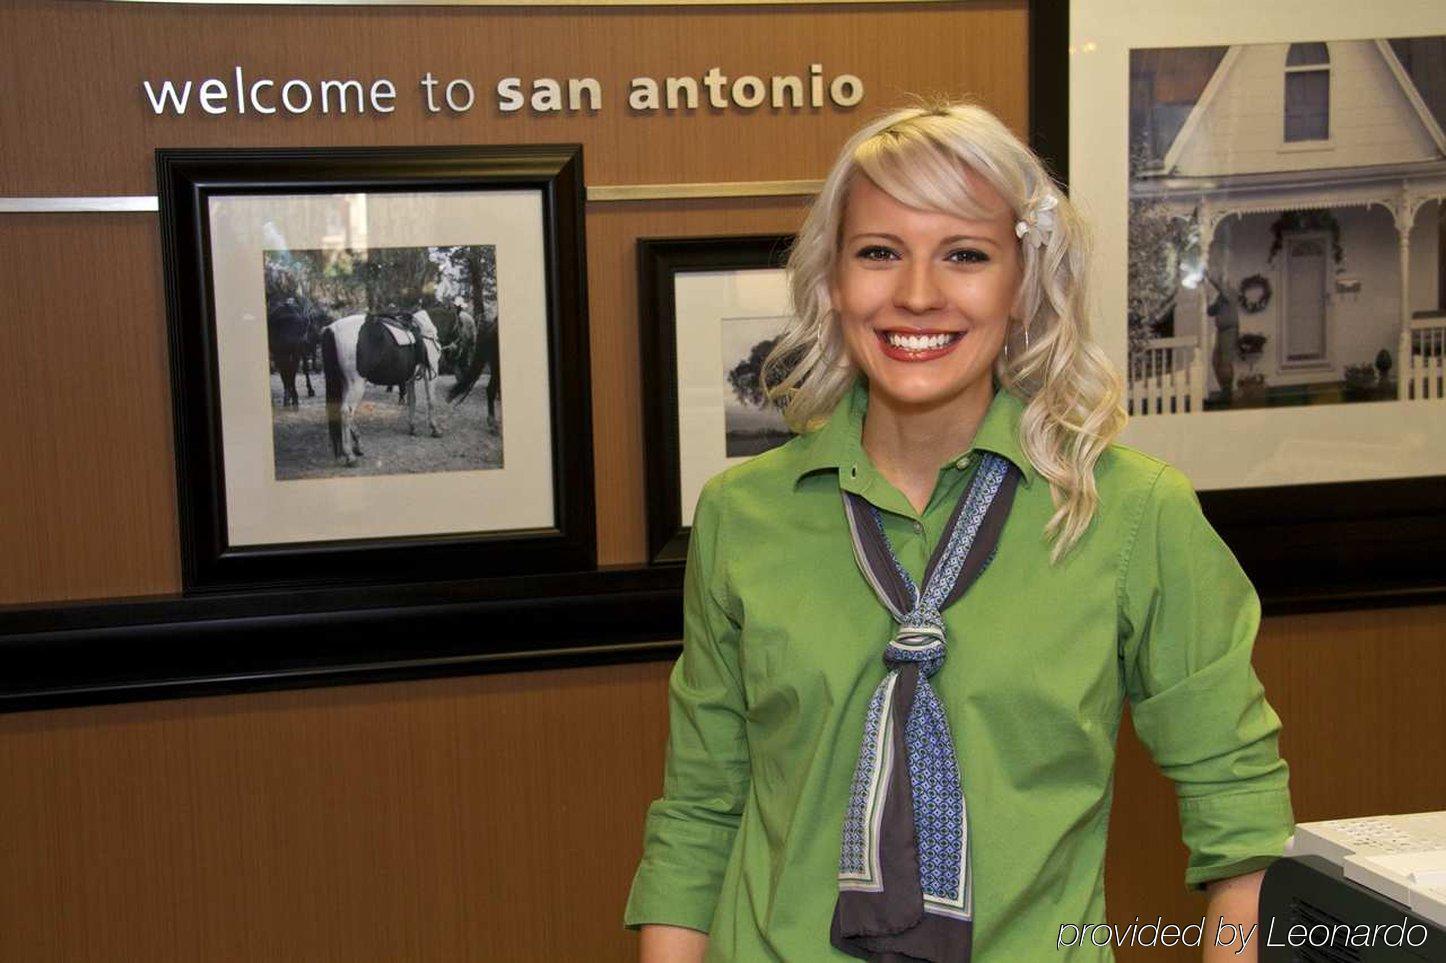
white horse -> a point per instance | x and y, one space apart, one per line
345 385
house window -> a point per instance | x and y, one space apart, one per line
1307 92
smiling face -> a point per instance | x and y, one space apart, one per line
924 298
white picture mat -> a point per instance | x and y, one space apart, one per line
703 299
261 510
1248 447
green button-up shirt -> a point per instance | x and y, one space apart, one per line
782 648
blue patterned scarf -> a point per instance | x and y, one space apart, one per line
905 886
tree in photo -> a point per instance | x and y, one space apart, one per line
1164 253
395 277
746 377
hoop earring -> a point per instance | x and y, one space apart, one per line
830 319
1025 327
836 366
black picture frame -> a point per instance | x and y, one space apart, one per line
187 179
1305 547
660 262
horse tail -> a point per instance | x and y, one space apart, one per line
331 370
483 354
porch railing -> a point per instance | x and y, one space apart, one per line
1423 358
1167 376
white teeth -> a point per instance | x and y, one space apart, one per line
913 342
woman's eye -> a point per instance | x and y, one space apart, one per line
874 252
968 256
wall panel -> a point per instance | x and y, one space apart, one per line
87 496
500 817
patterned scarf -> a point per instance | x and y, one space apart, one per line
905 886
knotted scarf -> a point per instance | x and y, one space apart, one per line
905 886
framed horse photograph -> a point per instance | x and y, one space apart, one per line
712 309
342 322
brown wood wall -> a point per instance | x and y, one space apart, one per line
499 817
488 818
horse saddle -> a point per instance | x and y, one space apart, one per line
389 349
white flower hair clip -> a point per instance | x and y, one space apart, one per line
1038 222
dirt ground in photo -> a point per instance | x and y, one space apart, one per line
469 441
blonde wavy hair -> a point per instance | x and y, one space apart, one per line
1072 392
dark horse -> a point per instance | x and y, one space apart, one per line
293 328
484 355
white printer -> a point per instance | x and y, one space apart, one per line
1367 889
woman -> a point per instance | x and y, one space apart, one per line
909 632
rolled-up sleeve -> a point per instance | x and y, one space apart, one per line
689 831
1188 619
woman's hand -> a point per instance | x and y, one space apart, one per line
671 944
1235 900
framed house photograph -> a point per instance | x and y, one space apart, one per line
1267 186
712 309
342 324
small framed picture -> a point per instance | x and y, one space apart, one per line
712 309
342 326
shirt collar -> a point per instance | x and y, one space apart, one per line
838 442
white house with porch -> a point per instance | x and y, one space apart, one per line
1339 127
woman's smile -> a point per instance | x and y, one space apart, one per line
910 345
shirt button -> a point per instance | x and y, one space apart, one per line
853 471
918 528
962 462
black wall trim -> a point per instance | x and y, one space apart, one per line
149 648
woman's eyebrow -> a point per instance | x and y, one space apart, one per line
951 239
955 238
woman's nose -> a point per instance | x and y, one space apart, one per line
918 290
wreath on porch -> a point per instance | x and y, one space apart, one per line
1318 219
1255 293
